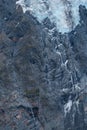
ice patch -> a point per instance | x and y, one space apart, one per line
63 13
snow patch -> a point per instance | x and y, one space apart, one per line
51 31
67 107
77 87
63 13
65 90
77 103
58 53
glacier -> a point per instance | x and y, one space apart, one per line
63 13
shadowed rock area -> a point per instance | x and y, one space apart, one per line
43 73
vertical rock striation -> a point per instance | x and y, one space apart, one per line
43 75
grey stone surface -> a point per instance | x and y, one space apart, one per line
41 72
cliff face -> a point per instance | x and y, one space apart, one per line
43 75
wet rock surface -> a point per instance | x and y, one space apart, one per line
42 73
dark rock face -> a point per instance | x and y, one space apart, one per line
42 73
